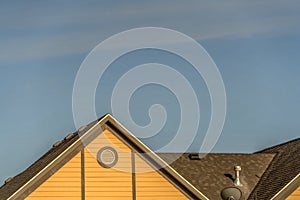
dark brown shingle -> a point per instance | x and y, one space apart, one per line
214 172
263 173
7 189
284 167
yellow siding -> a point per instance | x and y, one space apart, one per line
295 195
108 183
151 185
65 184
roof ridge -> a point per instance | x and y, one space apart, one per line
215 153
265 175
284 165
277 145
21 184
63 141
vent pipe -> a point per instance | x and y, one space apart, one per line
8 180
237 170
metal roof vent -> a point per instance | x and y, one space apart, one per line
69 136
231 193
82 128
194 156
237 170
57 143
8 180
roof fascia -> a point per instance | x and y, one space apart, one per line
153 159
109 122
288 189
55 164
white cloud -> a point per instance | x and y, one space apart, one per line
58 30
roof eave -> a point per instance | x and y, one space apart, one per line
288 189
85 137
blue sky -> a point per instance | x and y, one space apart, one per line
255 45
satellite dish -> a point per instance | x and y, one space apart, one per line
231 193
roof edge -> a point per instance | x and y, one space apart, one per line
277 145
287 189
162 165
265 174
16 194
88 134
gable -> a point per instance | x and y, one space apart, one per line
283 174
96 180
125 179
181 183
84 176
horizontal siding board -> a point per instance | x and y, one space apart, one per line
108 189
65 184
116 179
151 185
59 189
162 198
54 198
112 175
57 193
295 195
66 175
293 198
110 184
109 194
108 198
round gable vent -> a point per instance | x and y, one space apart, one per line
107 157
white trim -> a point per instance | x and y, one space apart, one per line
107 117
35 176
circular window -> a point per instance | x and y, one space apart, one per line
107 157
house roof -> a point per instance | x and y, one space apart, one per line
272 173
26 182
264 174
283 171
10 187
16 182
214 172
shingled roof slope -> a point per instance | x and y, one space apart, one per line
214 172
7 189
264 173
18 185
284 167
16 182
